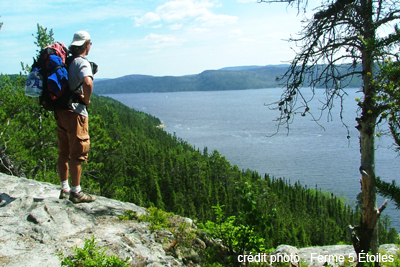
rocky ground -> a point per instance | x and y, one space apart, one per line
35 226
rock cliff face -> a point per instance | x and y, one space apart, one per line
35 225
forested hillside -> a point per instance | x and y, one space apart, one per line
131 159
232 78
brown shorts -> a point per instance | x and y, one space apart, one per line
73 135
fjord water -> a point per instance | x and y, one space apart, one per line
243 129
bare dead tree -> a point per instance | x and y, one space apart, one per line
344 39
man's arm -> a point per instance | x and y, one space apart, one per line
87 89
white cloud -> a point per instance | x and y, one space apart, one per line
176 26
157 26
211 19
236 33
147 19
183 11
199 30
160 41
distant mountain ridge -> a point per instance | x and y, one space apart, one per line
229 78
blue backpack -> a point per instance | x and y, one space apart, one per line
49 78
50 70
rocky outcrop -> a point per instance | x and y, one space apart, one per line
35 226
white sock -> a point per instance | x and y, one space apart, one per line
76 189
65 186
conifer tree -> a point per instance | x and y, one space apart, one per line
43 37
388 78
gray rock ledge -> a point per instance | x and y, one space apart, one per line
35 225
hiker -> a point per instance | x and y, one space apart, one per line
73 123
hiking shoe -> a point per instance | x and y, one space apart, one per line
64 194
81 197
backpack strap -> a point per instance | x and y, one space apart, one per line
79 85
74 97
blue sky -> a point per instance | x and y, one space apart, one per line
153 37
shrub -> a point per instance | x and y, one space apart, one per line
92 256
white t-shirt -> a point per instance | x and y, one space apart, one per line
77 70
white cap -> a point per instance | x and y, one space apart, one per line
80 38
